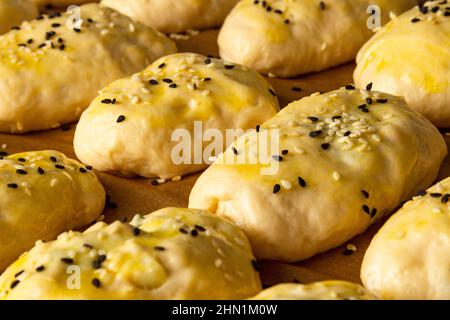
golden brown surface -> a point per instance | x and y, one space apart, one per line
139 196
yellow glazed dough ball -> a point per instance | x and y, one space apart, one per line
343 160
42 194
13 12
175 15
292 37
50 70
325 290
131 127
409 257
410 57
172 253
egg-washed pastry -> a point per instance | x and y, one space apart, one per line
60 3
292 37
13 12
410 57
409 257
175 15
344 160
49 73
172 253
131 127
324 290
43 193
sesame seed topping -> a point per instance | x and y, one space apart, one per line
12 185
276 188
67 260
277 158
120 119
301 182
21 171
157 248
136 231
96 283
14 284
40 269
365 194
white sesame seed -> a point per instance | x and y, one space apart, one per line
336 176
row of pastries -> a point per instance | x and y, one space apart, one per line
346 159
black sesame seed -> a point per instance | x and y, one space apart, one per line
120 119
40 269
154 182
258 127
58 166
107 101
325 146
276 188
445 198
287 21
207 79
347 252
277 158
415 20
436 195
297 89
435 9
322 5
167 80
67 260
97 263
314 134
336 118
313 119
255 265
56 25
447 14
194 233
40 170
208 61
157 248
369 86
200 228
234 150
382 101
173 85
373 213
89 167
136 231
87 245
366 209
424 10
369 101
162 65
82 170
184 231
365 194
15 28
153 82
14 284
301 182
278 11
21 171
53 159
229 66
49 35
19 273
12 185
421 193
96 283
284 152
77 30
350 87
